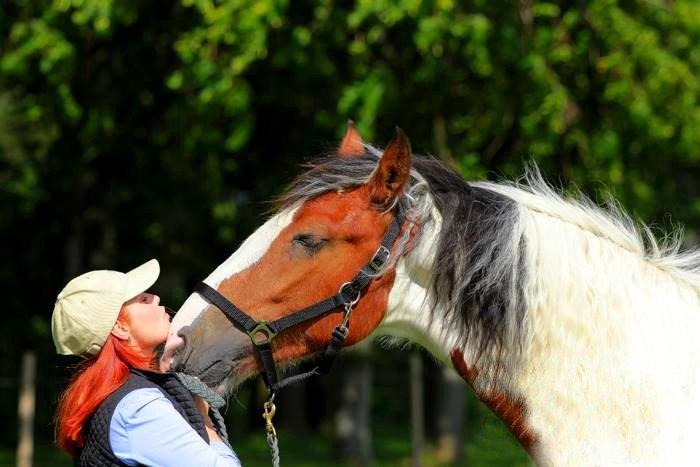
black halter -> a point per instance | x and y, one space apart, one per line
261 333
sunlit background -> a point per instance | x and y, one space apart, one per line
138 129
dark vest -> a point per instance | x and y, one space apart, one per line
97 450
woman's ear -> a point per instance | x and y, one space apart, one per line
121 331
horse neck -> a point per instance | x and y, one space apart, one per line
609 370
415 314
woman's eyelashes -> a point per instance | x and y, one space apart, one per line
309 242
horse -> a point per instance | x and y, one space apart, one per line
570 321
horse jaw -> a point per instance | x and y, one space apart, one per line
249 252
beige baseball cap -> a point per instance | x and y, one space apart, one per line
88 306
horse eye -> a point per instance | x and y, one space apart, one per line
310 243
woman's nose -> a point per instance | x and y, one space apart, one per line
156 300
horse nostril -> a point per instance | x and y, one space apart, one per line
182 353
183 333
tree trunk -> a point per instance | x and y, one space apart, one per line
417 408
74 251
448 413
26 409
352 421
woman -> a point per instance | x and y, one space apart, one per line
118 410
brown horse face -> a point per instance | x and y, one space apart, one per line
317 248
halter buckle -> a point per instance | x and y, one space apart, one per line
262 333
378 260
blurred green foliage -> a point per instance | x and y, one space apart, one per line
132 129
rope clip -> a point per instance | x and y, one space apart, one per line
269 410
346 316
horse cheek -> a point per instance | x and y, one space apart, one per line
371 310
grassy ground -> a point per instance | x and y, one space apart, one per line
488 444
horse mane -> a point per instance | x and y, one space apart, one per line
610 222
480 270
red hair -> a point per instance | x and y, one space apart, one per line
94 381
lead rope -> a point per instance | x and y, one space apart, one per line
215 401
269 408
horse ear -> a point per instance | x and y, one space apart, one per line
391 175
352 144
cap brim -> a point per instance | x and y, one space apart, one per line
140 279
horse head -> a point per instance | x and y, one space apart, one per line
302 255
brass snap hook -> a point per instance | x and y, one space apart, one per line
269 410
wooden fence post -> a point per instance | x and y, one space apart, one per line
27 403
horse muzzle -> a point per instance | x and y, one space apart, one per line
213 351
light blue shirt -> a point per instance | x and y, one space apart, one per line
146 429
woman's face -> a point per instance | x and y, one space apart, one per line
146 321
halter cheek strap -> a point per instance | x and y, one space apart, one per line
262 333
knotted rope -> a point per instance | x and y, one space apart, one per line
215 401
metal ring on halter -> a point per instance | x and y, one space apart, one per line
352 302
262 333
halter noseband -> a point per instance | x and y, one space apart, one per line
261 333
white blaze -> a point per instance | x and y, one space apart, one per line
252 249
